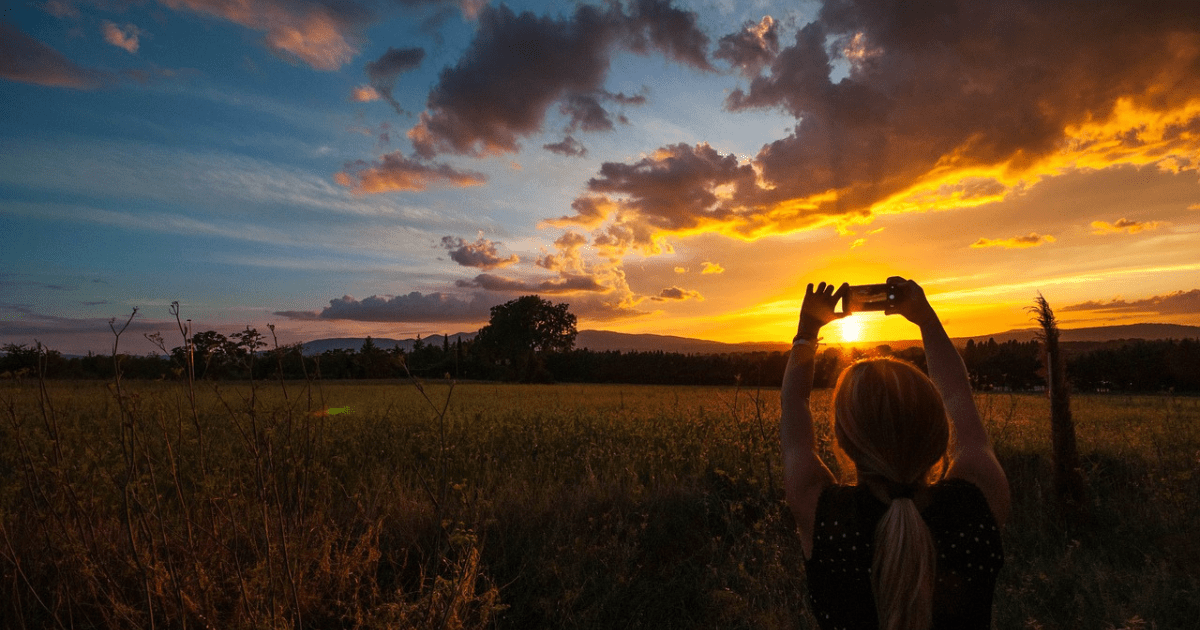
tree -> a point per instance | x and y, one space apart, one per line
523 330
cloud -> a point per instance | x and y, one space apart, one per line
482 253
518 65
568 258
414 307
383 71
566 283
1195 206
27 60
711 267
364 94
678 189
569 147
323 34
676 293
122 37
26 322
397 173
1177 303
1033 239
939 107
751 48
1122 225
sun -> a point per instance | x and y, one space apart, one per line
850 329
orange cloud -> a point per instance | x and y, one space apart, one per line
398 173
122 37
364 94
1122 225
1033 239
320 34
711 267
965 127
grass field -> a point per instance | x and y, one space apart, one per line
517 506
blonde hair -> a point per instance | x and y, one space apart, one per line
891 422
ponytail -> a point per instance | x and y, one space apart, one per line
902 573
890 420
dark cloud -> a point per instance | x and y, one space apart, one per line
751 48
25 59
382 72
518 65
414 307
675 190
394 172
1177 303
585 112
482 253
933 105
569 147
656 24
676 293
960 84
566 283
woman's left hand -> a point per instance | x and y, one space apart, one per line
818 309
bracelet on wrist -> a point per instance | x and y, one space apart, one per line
804 341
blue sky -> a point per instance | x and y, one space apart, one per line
395 168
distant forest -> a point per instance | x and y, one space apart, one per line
1133 366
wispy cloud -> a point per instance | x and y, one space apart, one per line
383 72
1176 303
25 59
394 172
1122 225
323 34
1033 239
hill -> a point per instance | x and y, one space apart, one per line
605 340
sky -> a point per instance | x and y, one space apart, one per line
393 168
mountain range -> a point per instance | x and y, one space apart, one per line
605 340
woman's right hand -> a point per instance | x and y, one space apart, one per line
818 309
911 302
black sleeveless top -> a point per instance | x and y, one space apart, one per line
964 534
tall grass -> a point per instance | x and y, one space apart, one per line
520 506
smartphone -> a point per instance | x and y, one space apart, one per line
869 297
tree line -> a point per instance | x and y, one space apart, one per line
532 340
1137 366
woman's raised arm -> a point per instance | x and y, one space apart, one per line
804 474
973 458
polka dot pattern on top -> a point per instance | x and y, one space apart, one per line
965 536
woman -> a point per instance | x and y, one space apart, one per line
914 545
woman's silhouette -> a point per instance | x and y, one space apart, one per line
916 542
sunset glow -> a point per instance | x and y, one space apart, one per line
668 166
